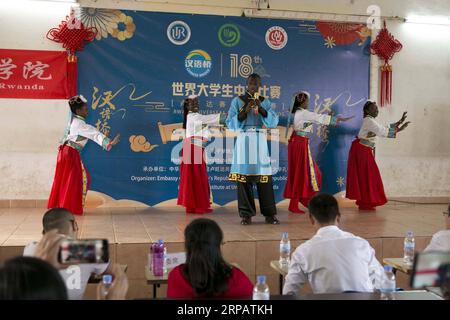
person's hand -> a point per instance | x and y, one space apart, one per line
48 248
249 106
343 119
115 140
404 126
119 286
402 119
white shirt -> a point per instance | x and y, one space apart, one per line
370 129
303 120
440 241
75 277
79 133
195 123
333 261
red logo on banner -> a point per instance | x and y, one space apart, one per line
276 38
31 74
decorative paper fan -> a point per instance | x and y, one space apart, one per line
341 33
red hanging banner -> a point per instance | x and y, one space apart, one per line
33 74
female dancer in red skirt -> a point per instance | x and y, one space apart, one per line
364 182
194 192
72 179
304 177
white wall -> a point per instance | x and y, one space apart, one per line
29 129
415 164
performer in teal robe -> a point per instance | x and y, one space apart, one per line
248 115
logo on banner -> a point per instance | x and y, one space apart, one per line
276 38
229 35
198 63
178 32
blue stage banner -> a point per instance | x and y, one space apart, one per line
142 65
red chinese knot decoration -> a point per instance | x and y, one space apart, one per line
385 46
72 34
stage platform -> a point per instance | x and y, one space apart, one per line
130 230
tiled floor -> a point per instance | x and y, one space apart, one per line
18 226
129 231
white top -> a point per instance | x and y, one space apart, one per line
196 123
440 241
370 129
75 277
303 120
333 261
79 132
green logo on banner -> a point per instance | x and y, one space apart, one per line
229 35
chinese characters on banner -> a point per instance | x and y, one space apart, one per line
32 74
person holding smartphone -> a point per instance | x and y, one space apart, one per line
76 276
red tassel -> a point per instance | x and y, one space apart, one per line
385 84
72 74
390 84
382 88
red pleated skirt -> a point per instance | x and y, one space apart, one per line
194 191
71 181
300 184
364 182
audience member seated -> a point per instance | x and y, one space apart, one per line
38 278
333 261
27 278
63 221
206 274
441 240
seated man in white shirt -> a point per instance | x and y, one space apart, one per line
333 261
62 220
441 239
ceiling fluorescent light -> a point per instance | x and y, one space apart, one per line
439 20
303 15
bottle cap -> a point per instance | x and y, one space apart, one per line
107 278
160 241
388 268
285 235
261 279
409 233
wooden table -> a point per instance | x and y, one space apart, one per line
155 281
398 264
282 271
96 278
398 295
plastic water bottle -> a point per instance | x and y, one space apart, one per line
261 289
106 284
165 260
285 250
158 258
388 285
409 248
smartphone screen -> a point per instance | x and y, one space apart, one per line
74 251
